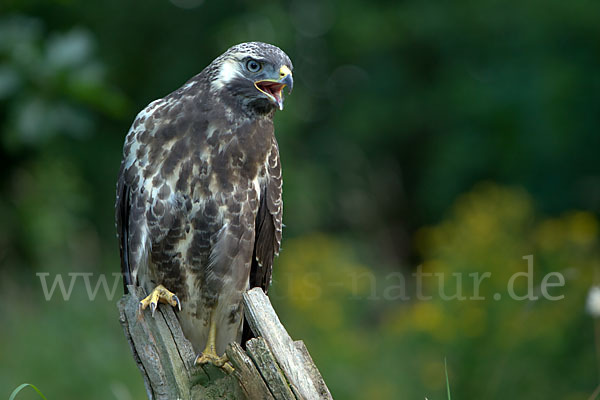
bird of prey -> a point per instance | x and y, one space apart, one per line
199 206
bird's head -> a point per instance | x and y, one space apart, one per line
255 74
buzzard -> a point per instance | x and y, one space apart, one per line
199 207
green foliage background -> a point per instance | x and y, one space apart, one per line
458 136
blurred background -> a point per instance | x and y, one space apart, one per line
455 136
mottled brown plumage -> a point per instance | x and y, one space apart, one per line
199 207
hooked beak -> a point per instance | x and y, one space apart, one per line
273 88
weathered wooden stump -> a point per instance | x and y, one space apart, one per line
272 367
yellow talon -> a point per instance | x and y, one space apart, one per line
209 355
212 358
159 294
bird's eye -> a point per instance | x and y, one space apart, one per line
253 66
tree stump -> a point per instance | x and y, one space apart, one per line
272 367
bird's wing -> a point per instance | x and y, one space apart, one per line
132 231
268 226
122 218
140 207
268 223
132 228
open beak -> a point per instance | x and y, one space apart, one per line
273 88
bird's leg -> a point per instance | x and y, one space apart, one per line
209 354
159 294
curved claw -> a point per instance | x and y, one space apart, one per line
176 299
159 294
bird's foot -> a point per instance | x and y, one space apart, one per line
159 294
209 356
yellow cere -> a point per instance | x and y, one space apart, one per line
284 71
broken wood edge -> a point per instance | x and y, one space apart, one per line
269 368
302 374
250 380
313 370
125 325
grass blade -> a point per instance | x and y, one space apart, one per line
23 386
595 394
447 381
